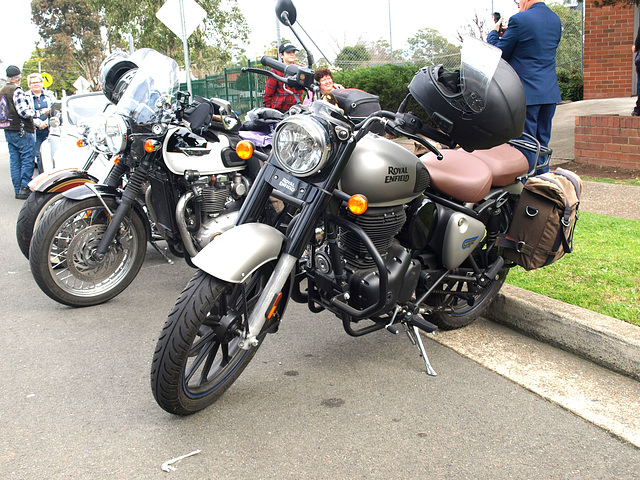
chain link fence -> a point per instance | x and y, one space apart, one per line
245 90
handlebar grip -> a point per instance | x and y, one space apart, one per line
272 63
288 70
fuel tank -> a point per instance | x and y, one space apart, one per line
184 150
384 172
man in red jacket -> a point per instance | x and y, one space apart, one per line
276 94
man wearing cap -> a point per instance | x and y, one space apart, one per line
276 94
16 119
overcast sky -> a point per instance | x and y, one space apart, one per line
332 24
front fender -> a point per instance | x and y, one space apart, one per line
61 180
240 251
83 191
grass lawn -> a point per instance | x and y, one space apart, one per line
602 274
628 181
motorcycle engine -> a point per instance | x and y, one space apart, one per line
215 195
380 225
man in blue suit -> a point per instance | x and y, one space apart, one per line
529 44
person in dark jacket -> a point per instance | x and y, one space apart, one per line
636 50
529 44
16 119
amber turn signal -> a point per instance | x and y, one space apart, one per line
150 145
358 204
244 149
274 306
80 143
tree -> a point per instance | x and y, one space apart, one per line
70 31
211 46
477 28
63 76
569 53
380 52
353 57
429 47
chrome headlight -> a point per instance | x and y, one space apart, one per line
301 145
116 133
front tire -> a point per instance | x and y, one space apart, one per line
61 253
198 356
29 215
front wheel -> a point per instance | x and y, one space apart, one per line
198 355
61 253
29 215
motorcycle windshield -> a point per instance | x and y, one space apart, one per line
155 80
479 63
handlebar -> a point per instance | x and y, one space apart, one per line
294 76
404 125
288 70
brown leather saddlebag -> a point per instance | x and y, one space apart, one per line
542 228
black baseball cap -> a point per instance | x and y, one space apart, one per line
287 47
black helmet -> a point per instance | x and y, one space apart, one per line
439 92
116 73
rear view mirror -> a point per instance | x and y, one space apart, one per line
286 12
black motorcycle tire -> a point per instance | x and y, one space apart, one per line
29 215
61 248
453 312
190 348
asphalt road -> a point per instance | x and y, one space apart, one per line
315 403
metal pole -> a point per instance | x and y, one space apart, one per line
250 86
185 46
390 36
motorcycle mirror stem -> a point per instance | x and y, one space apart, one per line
286 13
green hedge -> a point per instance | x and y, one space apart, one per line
571 84
389 82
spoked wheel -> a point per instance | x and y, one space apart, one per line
61 254
198 354
29 215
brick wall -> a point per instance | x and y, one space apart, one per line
608 141
608 60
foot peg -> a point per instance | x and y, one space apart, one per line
162 252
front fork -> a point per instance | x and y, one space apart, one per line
258 317
131 191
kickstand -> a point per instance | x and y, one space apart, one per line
163 252
414 336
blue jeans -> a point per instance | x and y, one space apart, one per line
21 155
538 125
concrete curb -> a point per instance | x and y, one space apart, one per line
604 340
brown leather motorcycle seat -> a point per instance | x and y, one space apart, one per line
506 163
459 175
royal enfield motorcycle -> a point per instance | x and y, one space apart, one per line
177 175
370 232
